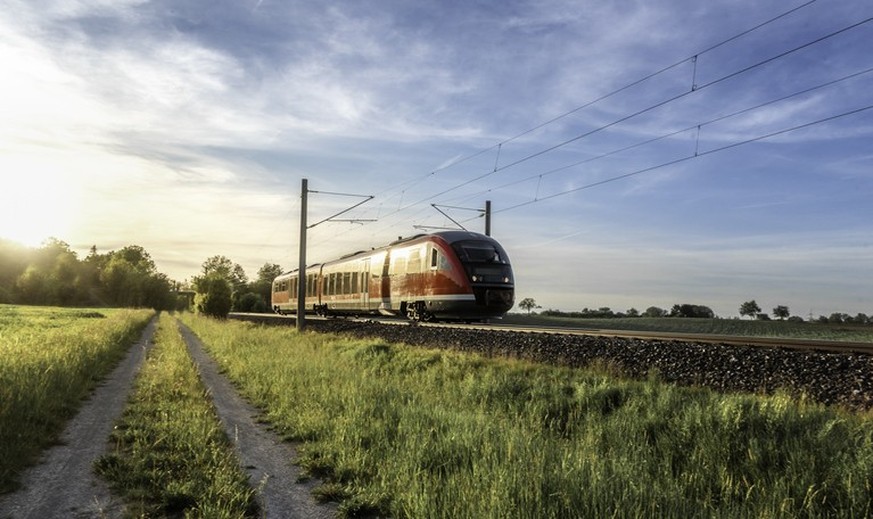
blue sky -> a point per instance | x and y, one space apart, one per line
186 127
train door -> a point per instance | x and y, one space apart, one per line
365 284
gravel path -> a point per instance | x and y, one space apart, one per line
63 485
266 458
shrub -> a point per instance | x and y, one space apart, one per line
213 295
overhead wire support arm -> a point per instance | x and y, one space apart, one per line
367 198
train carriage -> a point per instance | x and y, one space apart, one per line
447 275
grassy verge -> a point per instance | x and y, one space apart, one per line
737 327
420 433
171 456
50 359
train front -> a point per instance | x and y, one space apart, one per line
488 272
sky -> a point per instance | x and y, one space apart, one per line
636 153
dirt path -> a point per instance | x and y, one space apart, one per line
64 485
266 458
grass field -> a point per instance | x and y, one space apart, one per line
171 456
409 432
51 358
736 327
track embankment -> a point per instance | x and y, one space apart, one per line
843 378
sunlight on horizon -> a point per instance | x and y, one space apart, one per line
37 201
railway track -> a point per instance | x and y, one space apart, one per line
829 372
736 340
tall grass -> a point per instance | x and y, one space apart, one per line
171 456
50 359
422 433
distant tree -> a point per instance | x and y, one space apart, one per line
214 295
263 286
695 311
862 318
750 308
632 312
837 318
227 269
528 303
252 303
781 312
654 311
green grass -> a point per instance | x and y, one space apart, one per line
409 432
50 359
171 455
734 327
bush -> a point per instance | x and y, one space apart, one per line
251 302
213 295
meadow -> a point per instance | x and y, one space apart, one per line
171 456
733 327
410 432
50 359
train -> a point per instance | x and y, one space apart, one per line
440 276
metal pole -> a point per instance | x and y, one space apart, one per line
301 271
487 217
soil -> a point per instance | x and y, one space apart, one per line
263 454
63 484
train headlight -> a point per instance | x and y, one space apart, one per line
506 280
474 278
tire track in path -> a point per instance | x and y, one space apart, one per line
266 458
63 484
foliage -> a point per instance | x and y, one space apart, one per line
781 311
171 456
693 311
528 303
406 432
654 311
263 286
750 308
252 303
53 275
51 358
214 295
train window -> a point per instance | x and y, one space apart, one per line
355 277
398 266
434 258
413 265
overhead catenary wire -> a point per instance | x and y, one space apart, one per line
697 126
694 88
406 185
689 157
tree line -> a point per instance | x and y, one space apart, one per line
53 274
748 309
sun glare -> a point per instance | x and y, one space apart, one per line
35 203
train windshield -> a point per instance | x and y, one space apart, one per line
480 252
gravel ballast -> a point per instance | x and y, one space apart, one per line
826 377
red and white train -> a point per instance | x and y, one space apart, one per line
451 275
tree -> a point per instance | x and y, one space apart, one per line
750 308
263 286
781 312
695 311
213 296
528 303
654 311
